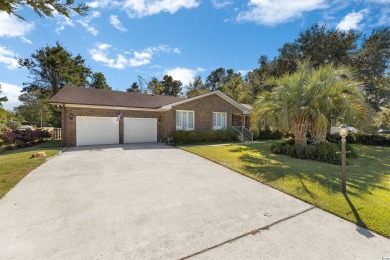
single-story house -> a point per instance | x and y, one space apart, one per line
94 116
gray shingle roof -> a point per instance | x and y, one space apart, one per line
99 97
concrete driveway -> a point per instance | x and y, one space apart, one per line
151 201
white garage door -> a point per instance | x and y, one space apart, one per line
96 130
139 130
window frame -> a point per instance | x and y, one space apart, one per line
187 119
221 127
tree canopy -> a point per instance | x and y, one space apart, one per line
99 81
2 99
44 8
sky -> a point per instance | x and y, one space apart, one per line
125 39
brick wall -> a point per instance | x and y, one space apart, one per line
166 120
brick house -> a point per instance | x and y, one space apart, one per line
94 116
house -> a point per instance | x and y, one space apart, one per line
94 116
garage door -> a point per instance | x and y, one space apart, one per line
96 130
139 130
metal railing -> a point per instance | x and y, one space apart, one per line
244 131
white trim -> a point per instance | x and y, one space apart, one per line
193 119
111 107
219 93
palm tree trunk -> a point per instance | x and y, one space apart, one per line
299 131
319 135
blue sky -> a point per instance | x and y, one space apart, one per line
183 38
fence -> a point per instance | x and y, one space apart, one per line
57 133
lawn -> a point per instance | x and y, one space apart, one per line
16 164
367 202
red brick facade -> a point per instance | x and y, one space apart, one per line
166 120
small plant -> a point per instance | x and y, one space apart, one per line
23 138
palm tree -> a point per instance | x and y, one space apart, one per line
311 96
285 107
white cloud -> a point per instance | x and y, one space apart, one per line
8 58
186 76
101 54
12 92
352 20
117 23
219 4
85 22
142 8
11 26
62 21
273 12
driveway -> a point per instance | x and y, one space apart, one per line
151 201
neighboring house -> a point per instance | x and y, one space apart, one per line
93 116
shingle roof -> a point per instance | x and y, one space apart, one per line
99 97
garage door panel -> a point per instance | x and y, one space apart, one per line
96 130
140 130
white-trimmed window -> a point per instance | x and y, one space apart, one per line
184 120
219 120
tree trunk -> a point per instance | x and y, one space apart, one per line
299 130
318 135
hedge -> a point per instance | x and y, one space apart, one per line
268 135
23 138
204 136
326 152
362 138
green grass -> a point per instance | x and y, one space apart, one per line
367 202
16 164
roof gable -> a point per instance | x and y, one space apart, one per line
245 110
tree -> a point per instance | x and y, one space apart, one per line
2 99
44 7
215 79
34 107
52 68
134 88
170 86
155 87
372 62
99 81
196 87
310 96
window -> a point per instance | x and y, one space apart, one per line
219 120
184 120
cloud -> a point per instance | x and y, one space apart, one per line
101 54
142 8
85 22
116 23
186 76
62 22
273 12
8 58
12 92
218 4
352 20
11 26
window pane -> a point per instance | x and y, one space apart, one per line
178 120
184 121
191 120
219 119
223 121
214 120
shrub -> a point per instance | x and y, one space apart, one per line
326 152
362 138
268 135
23 138
205 136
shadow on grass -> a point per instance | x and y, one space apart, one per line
361 225
259 162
